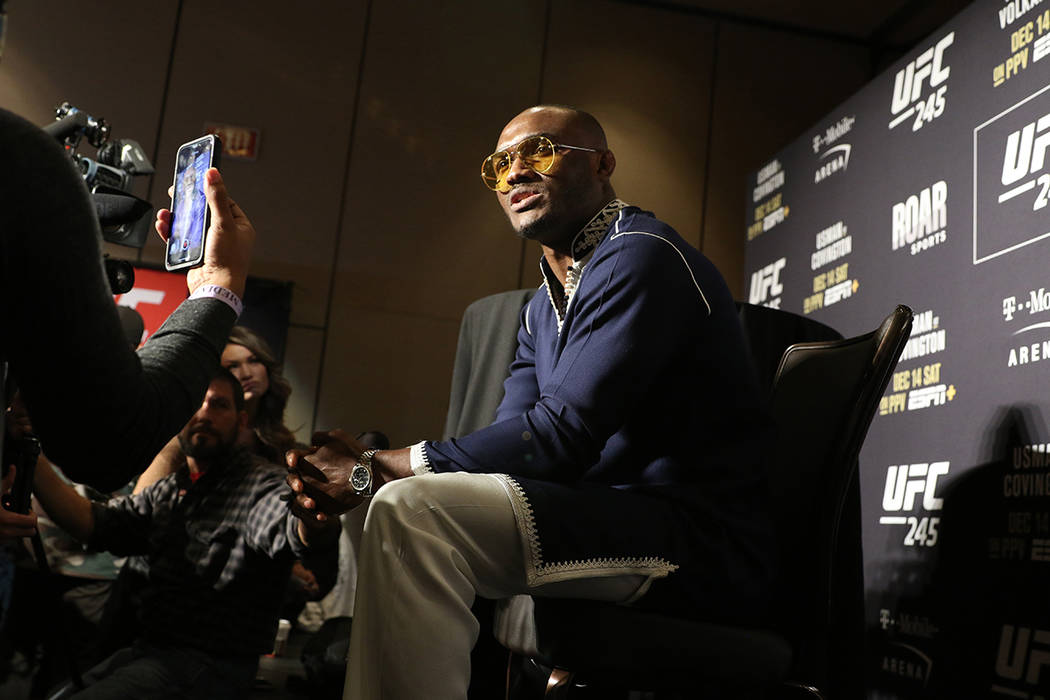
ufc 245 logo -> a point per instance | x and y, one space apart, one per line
906 484
1023 654
765 284
908 84
1025 156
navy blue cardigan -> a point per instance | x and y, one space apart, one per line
632 428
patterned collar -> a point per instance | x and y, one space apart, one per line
591 234
583 246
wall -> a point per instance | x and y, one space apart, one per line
928 188
375 117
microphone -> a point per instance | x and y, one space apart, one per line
117 209
124 218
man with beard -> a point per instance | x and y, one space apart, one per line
624 463
220 543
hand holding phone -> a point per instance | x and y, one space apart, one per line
228 243
190 215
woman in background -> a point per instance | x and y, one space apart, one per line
249 358
266 392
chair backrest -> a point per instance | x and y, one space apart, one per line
769 332
824 398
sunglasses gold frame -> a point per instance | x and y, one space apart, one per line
497 181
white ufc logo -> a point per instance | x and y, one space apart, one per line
1026 152
1018 651
907 86
905 482
766 282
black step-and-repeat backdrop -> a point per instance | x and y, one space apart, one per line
930 188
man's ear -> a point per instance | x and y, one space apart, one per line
607 164
242 419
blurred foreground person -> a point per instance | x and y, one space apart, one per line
54 295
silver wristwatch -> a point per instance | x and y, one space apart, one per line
361 474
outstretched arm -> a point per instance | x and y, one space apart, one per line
166 462
70 511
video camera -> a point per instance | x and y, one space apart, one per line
125 218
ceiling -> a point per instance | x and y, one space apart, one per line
888 27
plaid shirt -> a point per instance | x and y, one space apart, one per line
219 553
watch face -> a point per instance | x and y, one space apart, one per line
360 478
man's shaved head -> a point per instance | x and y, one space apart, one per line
552 206
579 123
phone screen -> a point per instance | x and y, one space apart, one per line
189 207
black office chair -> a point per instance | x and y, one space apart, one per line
769 332
824 399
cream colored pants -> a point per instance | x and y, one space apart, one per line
430 544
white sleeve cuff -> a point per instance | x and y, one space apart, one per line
222 294
418 460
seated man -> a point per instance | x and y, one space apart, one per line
625 461
220 542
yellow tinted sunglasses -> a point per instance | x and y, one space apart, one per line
537 152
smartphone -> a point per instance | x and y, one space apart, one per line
190 216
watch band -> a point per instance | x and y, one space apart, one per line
364 461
